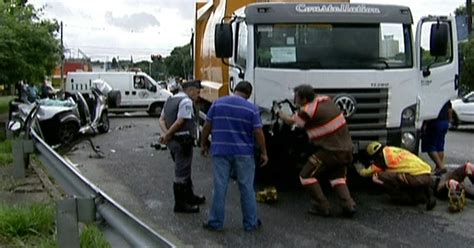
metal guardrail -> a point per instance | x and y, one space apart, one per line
88 204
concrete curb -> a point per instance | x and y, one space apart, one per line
49 186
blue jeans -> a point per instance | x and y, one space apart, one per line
244 167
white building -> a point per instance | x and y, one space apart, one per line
390 46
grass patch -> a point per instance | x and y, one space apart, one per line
27 225
91 236
6 156
4 100
6 146
34 226
5 159
22 221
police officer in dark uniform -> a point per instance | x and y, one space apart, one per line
177 122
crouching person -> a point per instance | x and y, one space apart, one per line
405 176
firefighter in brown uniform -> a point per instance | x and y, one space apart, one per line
327 131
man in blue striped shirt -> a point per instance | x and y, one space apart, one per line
235 125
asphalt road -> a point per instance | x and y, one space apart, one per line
140 178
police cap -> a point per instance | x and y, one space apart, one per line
192 83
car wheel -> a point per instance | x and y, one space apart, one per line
104 123
67 132
155 109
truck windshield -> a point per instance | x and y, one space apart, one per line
334 46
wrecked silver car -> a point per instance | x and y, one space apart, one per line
62 121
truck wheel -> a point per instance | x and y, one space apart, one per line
67 132
114 98
104 123
155 109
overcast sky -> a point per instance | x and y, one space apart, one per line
104 29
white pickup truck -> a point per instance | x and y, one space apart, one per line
132 91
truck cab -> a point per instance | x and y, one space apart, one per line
386 75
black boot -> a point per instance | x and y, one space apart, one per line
191 198
320 204
347 203
180 203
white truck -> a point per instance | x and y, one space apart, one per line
385 75
132 91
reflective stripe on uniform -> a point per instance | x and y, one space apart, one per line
338 181
311 107
391 158
331 126
308 181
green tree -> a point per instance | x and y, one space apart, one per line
467 66
461 10
179 63
114 63
29 49
159 70
467 53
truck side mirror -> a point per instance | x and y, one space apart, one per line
223 40
439 39
153 88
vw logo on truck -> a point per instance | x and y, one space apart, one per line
347 104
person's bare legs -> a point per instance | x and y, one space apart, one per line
438 160
441 157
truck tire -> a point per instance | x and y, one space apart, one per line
114 98
104 123
67 132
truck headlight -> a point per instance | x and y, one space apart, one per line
408 116
408 139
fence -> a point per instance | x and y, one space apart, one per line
87 202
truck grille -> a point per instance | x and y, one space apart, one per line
370 117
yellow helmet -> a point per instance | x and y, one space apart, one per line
373 147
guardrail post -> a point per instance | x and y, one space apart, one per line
69 213
8 132
21 149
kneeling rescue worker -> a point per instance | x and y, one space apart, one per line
405 176
328 133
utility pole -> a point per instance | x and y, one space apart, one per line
469 17
63 85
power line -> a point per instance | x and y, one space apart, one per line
115 47
135 31
84 27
